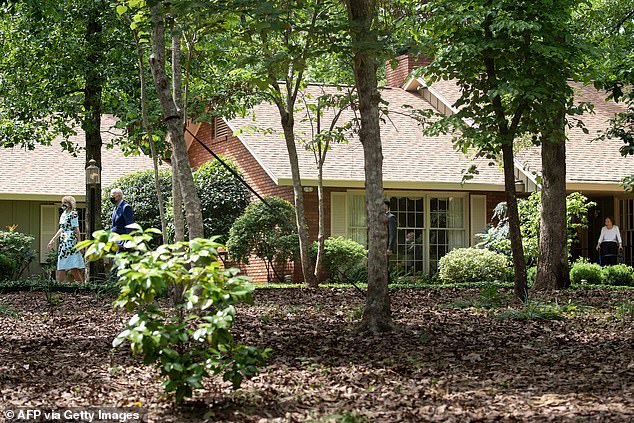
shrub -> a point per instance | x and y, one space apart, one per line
473 265
344 259
193 341
7 268
223 198
140 192
496 238
582 270
16 246
266 231
619 275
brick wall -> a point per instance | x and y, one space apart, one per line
231 147
406 64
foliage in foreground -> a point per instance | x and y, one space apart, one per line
473 265
192 340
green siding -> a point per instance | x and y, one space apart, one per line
25 214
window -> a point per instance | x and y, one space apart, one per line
626 220
429 226
408 256
447 230
357 219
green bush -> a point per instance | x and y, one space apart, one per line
618 275
223 198
266 231
7 268
496 238
139 191
17 247
588 272
344 260
473 265
192 339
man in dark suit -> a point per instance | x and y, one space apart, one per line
122 215
391 235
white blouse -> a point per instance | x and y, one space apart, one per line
613 235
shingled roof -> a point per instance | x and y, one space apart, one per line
591 164
48 172
411 160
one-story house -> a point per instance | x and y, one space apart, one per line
423 176
33 182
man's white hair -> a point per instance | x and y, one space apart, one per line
117 192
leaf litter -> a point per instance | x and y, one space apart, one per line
443 364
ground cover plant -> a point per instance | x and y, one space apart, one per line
443 364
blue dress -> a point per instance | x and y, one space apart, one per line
68 256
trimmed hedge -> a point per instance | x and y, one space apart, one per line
582 270
618 275
344 260
473 265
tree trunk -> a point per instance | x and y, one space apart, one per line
322 223
377 314
175 126
92 125
148 131
519 263
300 217
552 266
177 205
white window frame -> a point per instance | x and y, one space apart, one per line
427 196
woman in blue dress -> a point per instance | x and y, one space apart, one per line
68 257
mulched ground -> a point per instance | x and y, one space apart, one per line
444 364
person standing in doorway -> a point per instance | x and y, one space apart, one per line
610 243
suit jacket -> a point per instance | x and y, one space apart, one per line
122 215
391 230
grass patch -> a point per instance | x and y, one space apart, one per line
625 311
6 311
345 417
543 311
489 298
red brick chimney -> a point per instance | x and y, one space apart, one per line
406 64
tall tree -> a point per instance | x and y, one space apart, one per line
175 121
362 19
560 65
609 25
282 39
60 66
323 112
506 57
